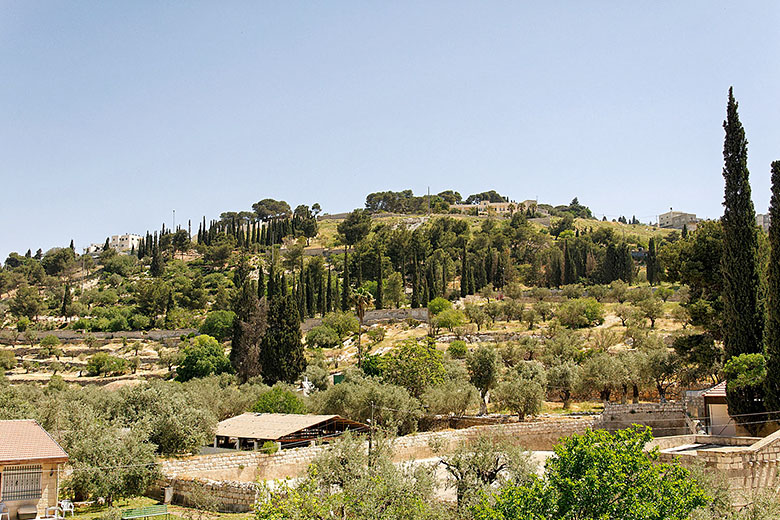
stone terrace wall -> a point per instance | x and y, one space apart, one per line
229 478
747 468
665 419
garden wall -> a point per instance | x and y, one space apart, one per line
664 418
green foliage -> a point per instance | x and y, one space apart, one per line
7 360
746 374
279 399
414 365
451 397
50 341
105 364
203 356
322 336
521 396
26 303
600 475
218 324
457 349
281 349
772 335
448 319
438 305
582 312
483 370
342 323
743 315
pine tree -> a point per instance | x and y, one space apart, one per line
281 350
772 333
379 302
742 313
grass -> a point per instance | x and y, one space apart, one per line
95 512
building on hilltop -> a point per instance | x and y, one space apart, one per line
676 220
30 465
485 207
121 243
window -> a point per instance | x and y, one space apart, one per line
21 482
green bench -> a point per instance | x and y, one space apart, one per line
145 512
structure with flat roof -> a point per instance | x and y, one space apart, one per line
676 219
249 431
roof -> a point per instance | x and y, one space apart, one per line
270 426
718 390
25 440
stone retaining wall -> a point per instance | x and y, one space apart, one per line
664 418
229 478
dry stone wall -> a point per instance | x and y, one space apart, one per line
664 418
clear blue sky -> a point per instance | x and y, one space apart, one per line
114 113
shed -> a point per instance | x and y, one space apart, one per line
716 412
30 461
249 431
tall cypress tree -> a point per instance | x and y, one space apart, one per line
742 313
379 301
329 292
157 266
345 285
772 333
260 281
464 274
652 263
67 301
569 267
281 350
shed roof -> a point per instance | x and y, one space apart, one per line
718 390
271 426
25 440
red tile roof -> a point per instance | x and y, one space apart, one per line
25 440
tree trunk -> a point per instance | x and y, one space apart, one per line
566 399
661 392
635 399
483 404
624 395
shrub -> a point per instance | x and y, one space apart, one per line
457 349
322 336
438 304
270 447
7 360
582 312
203 356
104 364
279 399
218 324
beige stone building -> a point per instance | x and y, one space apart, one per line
30 465
676 220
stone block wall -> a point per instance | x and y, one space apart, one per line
665 419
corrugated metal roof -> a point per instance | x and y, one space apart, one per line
268 425
718 390
25 440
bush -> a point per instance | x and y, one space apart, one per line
7 360
104 364
203 356
582 312
438 305
279 399
269 447
218 324
323 337
457 349
22 324
448 319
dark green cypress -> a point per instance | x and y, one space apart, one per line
772 333
379 301
345 285
67 301
281 350
328 292
157 266
260 281
569 267
321 296
685 231
742 313
415 283
652 263
271 291
464 274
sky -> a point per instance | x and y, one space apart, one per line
115 114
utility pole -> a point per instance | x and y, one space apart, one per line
174 221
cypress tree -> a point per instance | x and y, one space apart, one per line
415 284
653 269
742 313
772 333
569 267
72 246
67 300
272 290
345 285
321 295
106 245
249 326
260 281
379 301
685 231
464 275
157 266
329 293
281 350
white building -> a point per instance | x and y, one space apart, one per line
121 243
676 220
